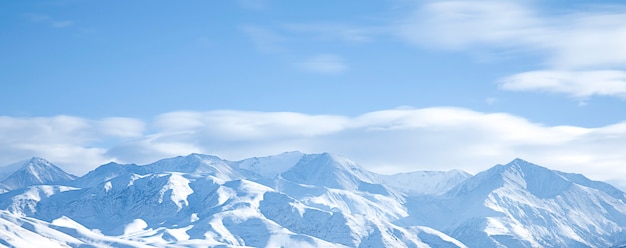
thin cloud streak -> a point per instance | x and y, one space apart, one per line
578 84
325 64
48 20
334 31
265 40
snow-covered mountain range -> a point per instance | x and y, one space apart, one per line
303 200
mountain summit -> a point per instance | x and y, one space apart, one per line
36 171
521 204
329 171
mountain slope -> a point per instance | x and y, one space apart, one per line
269 167
179 208
200 199
197 164
36 171
524 205
107 172
333 172
308 200
425 182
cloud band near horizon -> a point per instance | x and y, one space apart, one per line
386 141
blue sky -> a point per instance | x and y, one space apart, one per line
396 85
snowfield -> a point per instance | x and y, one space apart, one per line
303 200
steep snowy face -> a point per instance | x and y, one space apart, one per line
36 171
521 204
202 201
179 209
352 230
109 206
197 164
269 167
316 200
333 183
333 172
347 201
20 231
107 172
24 201
425 182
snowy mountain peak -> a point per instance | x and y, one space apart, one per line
519 174
520 161
269 167
34 172
523 165
333 171
314 200
38 160
425 182
330 161
519 204
107 172
459 172
197 164
539 181
37 164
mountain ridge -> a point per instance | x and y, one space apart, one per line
315 200
515 204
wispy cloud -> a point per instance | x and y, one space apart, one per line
264 39
325 64
491 100
48 20
69 140
579 84
394 140
578 42
240 125
334 31
254 4
464 24
122 127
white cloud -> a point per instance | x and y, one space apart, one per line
405 139
578 84
583 40
462 24
72 130
491 100
586 41
389 141
62 24
219 132
48 20
122 127
245 125
264 39
154 147
75 142
334 31
63 139
325 64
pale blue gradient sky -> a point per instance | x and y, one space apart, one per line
140 59
550 63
